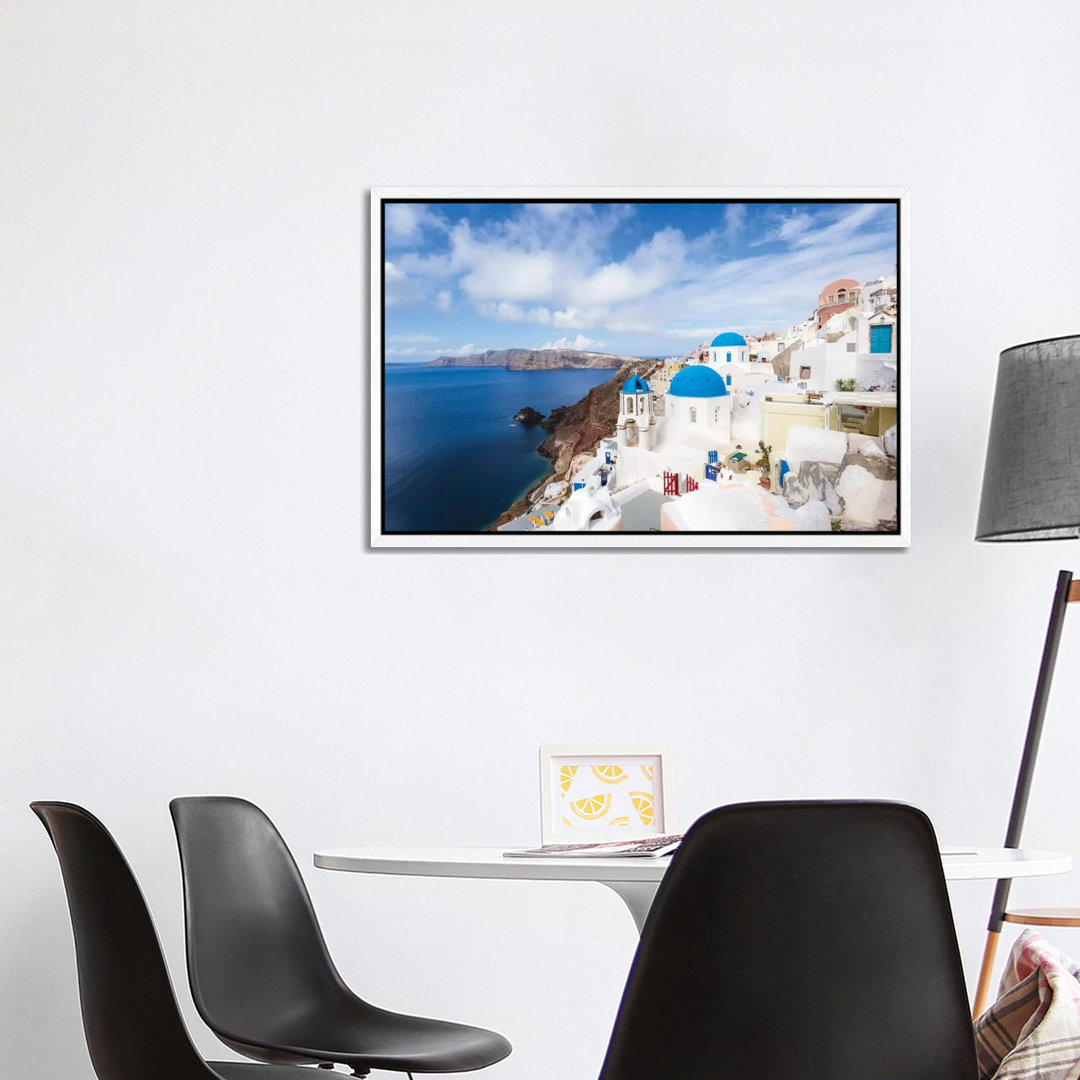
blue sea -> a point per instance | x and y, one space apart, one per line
453 457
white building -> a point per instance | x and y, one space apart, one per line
880 293
765 349
589 509
801 333
730 353
852 344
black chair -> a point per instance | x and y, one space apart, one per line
258 966
133 1026
798 941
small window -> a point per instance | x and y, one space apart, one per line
729 358
693 415
641 404
851 346
804 372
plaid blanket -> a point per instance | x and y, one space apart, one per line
1032 1031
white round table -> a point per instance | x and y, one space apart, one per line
636 879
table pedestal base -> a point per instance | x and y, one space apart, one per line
637 896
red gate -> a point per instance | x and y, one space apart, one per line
691 483
671 483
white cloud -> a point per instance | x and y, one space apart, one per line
459 350
411 337
844 227
410 278
734 221
688 335
500 272
553 210
654 264
435 350
505 311
406 221
442 300
581 342
521 278
801 229
789 228
399 289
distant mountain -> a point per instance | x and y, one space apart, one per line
533 359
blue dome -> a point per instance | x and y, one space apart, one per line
698 381
728 338
635 385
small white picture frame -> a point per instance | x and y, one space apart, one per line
590 794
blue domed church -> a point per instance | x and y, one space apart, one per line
728 348
698 405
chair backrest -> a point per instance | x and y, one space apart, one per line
132 1022
798 941
255 952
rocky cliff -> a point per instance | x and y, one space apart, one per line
533 359
575 430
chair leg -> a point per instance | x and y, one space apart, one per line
982 992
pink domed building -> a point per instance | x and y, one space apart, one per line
838 295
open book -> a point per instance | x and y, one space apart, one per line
650 847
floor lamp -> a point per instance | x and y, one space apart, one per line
1031 491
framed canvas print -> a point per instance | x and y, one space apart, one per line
639 368
596 793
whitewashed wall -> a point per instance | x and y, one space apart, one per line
187 604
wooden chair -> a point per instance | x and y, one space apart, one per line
1050 916
1067 592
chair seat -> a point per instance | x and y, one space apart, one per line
364 1037
1044 916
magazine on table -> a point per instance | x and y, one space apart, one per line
649 847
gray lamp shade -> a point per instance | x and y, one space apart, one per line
1031 481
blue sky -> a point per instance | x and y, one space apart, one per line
649 279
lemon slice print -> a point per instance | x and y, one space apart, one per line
609 774
624 820
643 804
566 777
592 808
646 771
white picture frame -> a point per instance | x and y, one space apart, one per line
587 791
383 535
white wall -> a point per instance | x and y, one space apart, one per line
187 604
